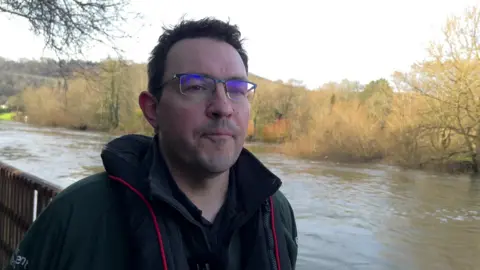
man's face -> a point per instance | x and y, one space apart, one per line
206 134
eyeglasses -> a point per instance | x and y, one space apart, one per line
198 86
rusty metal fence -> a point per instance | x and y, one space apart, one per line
22 198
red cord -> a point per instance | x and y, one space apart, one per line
277 254
152 213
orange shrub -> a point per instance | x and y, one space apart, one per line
250 129
277 131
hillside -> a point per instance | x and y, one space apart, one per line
17 75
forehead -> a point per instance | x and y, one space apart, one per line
204 55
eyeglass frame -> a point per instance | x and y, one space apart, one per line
216 81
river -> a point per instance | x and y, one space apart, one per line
348 216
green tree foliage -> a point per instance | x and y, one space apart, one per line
378 87
378 95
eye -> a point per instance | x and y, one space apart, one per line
237 87
194 88
195 83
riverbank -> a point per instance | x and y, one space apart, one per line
452 165
307 151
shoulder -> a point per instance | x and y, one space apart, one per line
82 210
90 197
282 204
97 183
284 209
77 213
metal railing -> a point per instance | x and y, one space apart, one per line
22 199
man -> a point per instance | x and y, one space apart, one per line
191 197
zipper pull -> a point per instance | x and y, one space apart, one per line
266 206
205 266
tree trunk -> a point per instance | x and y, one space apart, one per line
476 155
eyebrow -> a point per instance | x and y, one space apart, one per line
229 78
238 78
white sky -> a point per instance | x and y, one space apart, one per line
313 41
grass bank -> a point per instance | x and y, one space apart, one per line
352 131
7 116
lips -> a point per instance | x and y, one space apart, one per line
219 133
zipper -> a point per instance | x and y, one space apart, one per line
171 203
186 215
269 233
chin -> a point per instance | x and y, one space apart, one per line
218 161
220 156
217 165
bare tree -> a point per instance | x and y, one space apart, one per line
449 82
68 26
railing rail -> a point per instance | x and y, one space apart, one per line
22 198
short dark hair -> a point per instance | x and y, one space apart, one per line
204 28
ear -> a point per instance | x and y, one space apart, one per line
148 103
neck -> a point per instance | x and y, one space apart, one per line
206 191
200 186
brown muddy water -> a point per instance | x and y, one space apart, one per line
348 216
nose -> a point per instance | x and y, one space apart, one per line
220 105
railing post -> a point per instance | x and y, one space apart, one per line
17 204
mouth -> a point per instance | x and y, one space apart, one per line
220 134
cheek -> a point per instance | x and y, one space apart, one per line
243 115
178 121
